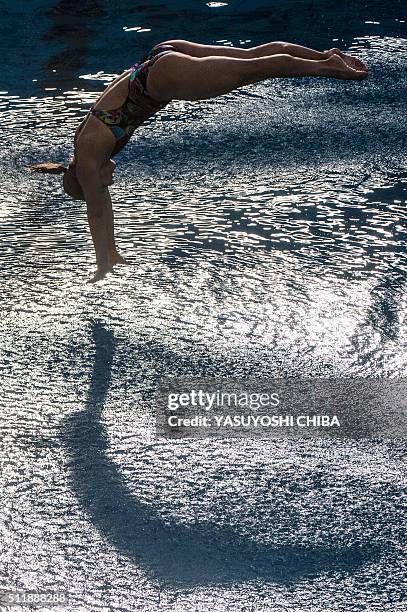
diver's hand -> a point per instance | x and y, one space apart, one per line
100 274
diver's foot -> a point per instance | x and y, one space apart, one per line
350 60
336 66
353 62
333 51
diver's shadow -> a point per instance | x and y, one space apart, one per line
174 554
383 318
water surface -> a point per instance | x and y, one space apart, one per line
266 232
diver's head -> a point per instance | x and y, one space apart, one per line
70 182
72 186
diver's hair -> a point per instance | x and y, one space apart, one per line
70 183
48 168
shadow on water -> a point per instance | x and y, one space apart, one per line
383 318
384 312
72 25
174 554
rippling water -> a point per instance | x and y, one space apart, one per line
266 232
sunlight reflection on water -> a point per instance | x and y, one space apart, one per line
266 234
255 204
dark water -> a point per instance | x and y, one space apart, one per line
266 232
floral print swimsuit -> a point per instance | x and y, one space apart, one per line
138 106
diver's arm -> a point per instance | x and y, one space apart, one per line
93 147
97 202
113 255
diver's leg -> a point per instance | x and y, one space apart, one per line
197 50
271 48
274 48
178 76
278 47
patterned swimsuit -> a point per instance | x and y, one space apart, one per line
138 106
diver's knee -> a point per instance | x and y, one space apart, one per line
273 48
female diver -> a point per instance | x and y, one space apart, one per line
175 69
